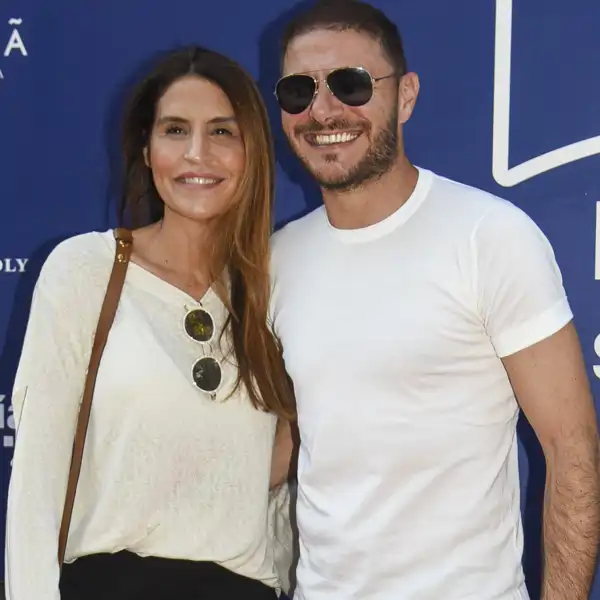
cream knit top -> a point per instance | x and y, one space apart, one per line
166 471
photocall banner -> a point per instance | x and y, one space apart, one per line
509 103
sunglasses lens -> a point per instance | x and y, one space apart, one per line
295 93
351 86
207 374
199 325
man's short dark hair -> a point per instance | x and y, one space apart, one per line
354 15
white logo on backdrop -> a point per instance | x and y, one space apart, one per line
512 176
13 265
501 172
597 241
15 44
597 340
7 422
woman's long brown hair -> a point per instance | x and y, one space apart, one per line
240 261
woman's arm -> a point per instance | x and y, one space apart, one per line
283 464
46 394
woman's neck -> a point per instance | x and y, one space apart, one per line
177 250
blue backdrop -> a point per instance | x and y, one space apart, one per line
509 103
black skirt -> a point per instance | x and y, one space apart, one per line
126 576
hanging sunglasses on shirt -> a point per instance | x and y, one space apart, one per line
207 373
351 85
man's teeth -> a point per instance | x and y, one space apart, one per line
334 138
199 180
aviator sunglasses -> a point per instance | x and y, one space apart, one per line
207 373
351 85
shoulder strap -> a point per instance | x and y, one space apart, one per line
124 242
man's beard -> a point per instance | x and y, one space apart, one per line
378 160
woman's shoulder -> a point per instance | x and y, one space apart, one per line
79 261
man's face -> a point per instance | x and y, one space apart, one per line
343 146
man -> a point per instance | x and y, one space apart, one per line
416 316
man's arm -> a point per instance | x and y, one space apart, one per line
551 386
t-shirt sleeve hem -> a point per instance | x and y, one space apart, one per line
534 330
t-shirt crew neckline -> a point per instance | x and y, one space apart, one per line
390 223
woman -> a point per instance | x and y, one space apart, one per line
172 500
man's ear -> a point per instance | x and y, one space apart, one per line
408 90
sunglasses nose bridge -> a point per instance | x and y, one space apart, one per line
325 86
325 104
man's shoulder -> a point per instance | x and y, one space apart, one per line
298 231
467 206
468 196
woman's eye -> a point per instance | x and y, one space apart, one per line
174 130
222 131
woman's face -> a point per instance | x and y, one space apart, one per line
196 152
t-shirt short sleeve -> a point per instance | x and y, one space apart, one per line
520 292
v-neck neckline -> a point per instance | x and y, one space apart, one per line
157 285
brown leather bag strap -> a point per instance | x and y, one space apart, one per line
124 244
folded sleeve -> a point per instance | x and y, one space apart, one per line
520 294
46 395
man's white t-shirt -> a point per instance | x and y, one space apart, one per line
393 334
